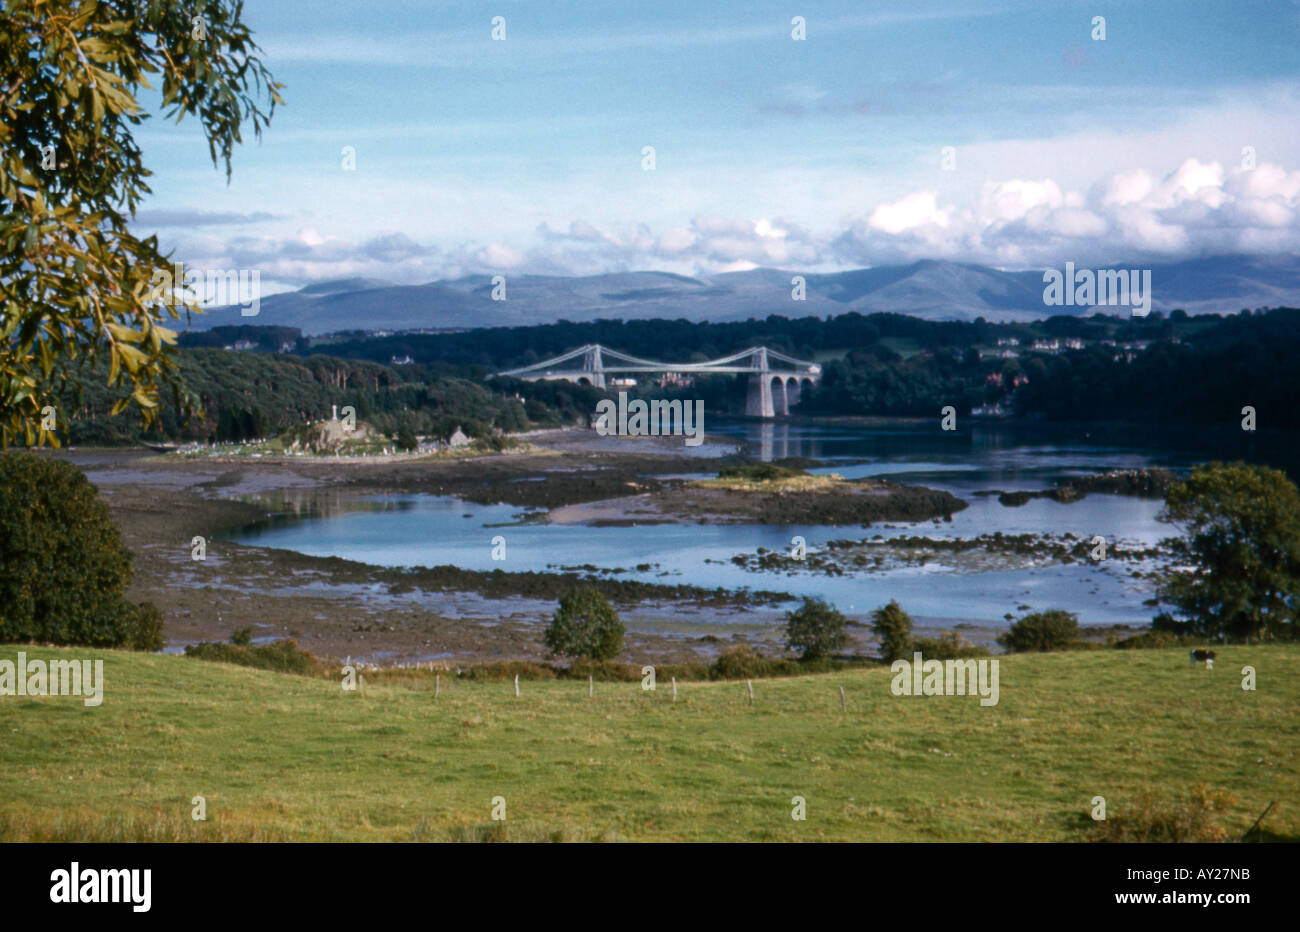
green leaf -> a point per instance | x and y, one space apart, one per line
124 334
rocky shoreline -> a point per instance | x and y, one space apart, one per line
996 551
1140 483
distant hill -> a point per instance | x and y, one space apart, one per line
928 289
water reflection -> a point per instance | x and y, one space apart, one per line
289 507
989 442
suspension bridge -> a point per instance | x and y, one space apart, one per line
776 381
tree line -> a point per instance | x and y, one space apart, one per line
244 395
1195 369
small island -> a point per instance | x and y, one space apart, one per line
769 493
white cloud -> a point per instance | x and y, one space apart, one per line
1196 208
1010 200
499 256
915 210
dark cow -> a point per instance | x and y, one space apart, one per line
1206 655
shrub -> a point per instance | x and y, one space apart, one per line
146 629
63 568
744 663
585 625
243 637
493 443
282 656
740 662
508 670
1152 819
759 472
948 647
1042 631
603 670
683 671
1148 639
893 629
815 630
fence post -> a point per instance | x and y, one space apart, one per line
516 685
844 706
674 689
437 684
591 685
750 684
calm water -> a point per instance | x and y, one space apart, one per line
426 530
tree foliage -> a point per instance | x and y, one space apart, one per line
1219 363
1241 540
76 285
63 568
893 629
815 630
586 626
244 395
1042 631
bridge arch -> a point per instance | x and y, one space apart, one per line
779 408
793 393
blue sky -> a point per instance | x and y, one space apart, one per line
525 155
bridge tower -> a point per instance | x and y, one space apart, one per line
591 362
758 403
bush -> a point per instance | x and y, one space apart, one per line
893 629
493 443
585 625
1152 819
744 663
740 663
947 647
282 656
815 630
1149 639
603 671
146 628
1042 631
63 568
685 672
508 670
243 637
759 472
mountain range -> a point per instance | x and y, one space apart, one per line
935 290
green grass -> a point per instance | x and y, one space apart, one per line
296 758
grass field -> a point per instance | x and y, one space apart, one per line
281 757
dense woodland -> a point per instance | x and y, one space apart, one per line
1217 366
244 395
497 348
1194 370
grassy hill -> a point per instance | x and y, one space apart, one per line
282 757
